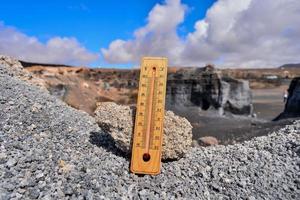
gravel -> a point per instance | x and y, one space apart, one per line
51 151
118 122
12 67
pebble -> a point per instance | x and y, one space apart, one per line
3 156
11 162
39 176
34 193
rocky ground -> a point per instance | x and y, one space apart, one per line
52 151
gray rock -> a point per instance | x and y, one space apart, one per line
11 162
46 197
292 106
39 176
117 120
3 156
236 96
4 195
206 89
68 190
9 186
33 193
89 195
27 182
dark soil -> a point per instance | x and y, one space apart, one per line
229 129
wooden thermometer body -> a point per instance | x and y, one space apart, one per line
148 131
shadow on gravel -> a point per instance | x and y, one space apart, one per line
104 140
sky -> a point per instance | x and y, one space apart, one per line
98 33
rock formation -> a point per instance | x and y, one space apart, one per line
236 96
118 121
206 89
292 106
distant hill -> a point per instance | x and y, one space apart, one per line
287 66
30 64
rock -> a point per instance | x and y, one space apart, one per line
4 195
208 141
39 176
9 186
177 138
292 106
65 167
11 162
3 156
31 127
36 108
236 96
68 190
117 120
34 193
207 89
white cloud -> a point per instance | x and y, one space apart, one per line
61 50
234 33
157 38
248 33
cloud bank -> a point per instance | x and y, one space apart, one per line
57 50
234 33
158 37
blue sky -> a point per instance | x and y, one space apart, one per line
95 23
228 33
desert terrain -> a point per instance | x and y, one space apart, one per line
50 150
150 100
82 88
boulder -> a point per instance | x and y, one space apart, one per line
208 141
236 96
292 106
118 121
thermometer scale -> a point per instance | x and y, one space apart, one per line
148 131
